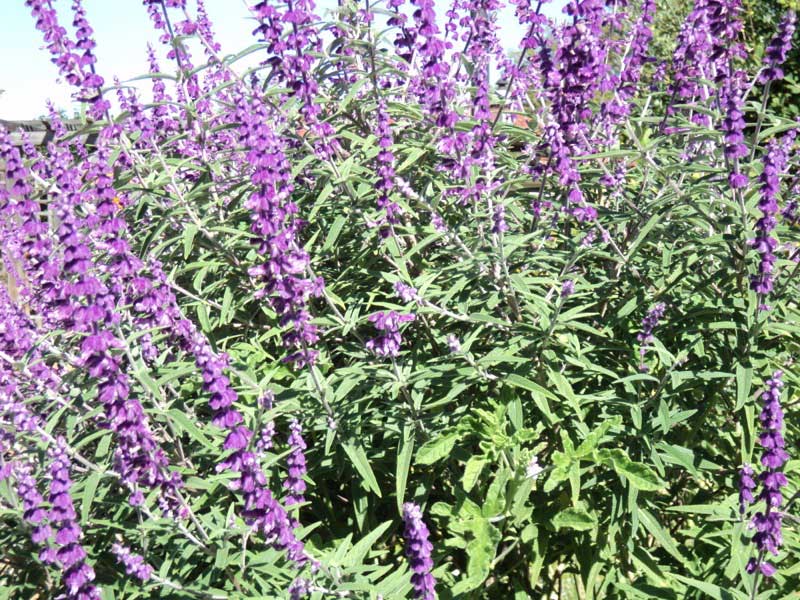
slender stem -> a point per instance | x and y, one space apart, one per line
759 123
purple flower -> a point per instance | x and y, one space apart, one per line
432 83
135 564
499 221
775 163
261 510
406 292
628 80
388 343
453 343
747 486
33 510
778 48
567 288
70 555
732 101
296 465
75 59
386 173
293 57
707 45
299 588
418 551
275 230
767 523
533 469
649 323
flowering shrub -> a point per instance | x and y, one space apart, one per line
357 320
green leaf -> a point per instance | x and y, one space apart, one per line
358 457
437 449
714 591
481 551
405 449
188 239
575 518
179 417
744 380
89 490
226 314
472 471
638 474
334 232
360 550
660 535
540 394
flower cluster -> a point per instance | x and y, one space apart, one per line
293 59
75 59
386 173
296 465
733 125
645 336
747 485
389 341
405 292
567 288
70 555
135 564
275 229
764 243
33 510
261 510
626 83
418 552
778 48
91 330
767 523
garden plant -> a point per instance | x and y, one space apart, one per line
368 308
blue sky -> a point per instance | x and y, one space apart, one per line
122 31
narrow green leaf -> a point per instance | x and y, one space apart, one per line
540 394
334 232
360 550
188 239
405 450
89 490
744 380
472 471
358 457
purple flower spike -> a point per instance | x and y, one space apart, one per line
388 343
499 224
135 564
70 555
775 162
296 463
747 486
649 323
778 48
418 552
386 173
767 523
275 228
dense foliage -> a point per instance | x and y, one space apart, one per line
337 316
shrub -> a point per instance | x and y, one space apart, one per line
354 321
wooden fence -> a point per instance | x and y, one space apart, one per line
39 132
